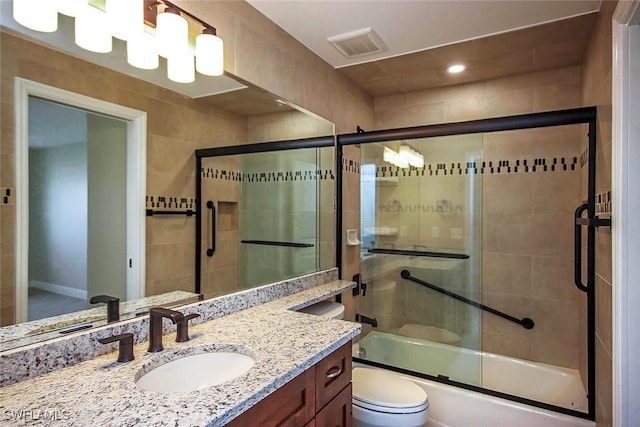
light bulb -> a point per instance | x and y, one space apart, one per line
414 158
394 158
457 68
38 15
172 32
180 67
141 51
209 54
92 30
71 7
126 17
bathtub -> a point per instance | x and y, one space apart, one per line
536 381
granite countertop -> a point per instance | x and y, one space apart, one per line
283 342
35 331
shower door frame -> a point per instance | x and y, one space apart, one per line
262 147
583 115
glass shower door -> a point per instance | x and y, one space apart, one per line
421 229
278 215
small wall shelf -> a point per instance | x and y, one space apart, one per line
352 238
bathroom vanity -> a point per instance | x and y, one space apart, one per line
301 374
320 396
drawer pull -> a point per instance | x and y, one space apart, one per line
334 372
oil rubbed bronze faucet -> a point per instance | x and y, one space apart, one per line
155 325
125 350
113 306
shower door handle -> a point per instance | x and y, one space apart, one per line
212 249
577 273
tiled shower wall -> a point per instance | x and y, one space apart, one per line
596 90
526 269
527 265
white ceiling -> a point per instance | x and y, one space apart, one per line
410 26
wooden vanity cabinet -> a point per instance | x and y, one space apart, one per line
319 397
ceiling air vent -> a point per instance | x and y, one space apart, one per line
357 43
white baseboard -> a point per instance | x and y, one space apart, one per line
58 289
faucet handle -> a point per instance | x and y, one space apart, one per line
182 330
125 349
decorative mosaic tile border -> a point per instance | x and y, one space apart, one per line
8 195
165 202
584 157
603 202
349 165
555 164
269 176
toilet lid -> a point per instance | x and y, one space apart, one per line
387 391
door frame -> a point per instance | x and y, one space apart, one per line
136 182
626 203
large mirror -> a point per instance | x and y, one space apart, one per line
66 173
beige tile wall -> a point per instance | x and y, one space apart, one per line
596 90
260 52
542 91
527 243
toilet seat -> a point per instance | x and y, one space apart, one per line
386 392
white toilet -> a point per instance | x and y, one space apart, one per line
384 399
380 398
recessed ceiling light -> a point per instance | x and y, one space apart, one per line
457 68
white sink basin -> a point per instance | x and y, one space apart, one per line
196 371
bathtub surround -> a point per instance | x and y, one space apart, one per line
284 343
28 362
528 221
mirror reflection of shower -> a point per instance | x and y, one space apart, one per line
275 217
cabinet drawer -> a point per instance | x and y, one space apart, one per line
338 412
292 405
333 373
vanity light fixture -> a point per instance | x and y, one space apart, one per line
405 157
172 32
142 51
92 29
412 157
126 17
98 21
38 15
209 53
69 7
180 67
394 158
456 68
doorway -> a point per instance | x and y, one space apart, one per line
80 167
77 199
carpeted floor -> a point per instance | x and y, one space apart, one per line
46 304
